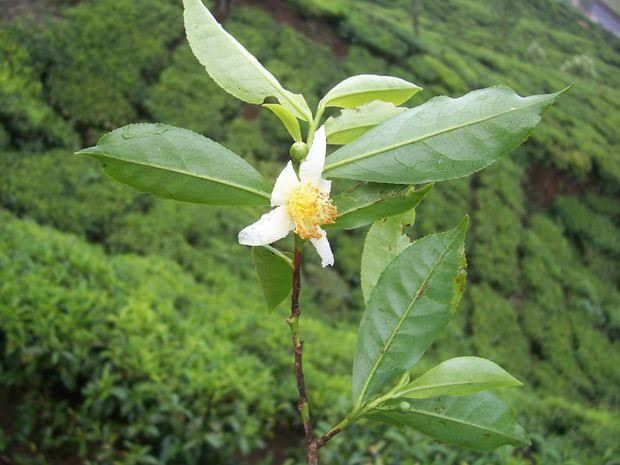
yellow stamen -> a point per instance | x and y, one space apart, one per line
310 208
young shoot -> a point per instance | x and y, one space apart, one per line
394 154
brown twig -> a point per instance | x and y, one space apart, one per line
298 347
327 436
312 445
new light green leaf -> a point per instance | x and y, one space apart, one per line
275 273
443 139
384 242
364 88
231 66
288 119
178 164
457 377
367 203
414 299
481 421
352 123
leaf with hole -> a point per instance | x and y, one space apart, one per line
443 139
414 299
174 163
231 66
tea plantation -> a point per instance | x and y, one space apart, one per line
132 330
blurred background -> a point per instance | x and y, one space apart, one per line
132 330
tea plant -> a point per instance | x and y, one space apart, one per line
411 289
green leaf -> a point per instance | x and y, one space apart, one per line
414 299
352 123
443 139
288 119
457 377
364 88
178 164
275 273
231 66
384 242
367 203
481 421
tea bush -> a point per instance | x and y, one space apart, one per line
109 356
26 120
185 96
78 198
128 359
500 209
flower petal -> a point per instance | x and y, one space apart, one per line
311 168
287 181
324 186
324 250
269 228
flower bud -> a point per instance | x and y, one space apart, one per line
299 151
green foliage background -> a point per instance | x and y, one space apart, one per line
132 330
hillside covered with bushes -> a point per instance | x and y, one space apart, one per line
132 329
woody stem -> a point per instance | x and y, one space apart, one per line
298 345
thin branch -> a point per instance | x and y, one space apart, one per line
298 347
327 436
312 445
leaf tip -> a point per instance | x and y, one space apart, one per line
464 224
523 440
556 95
427 188
89 151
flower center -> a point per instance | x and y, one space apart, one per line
310 208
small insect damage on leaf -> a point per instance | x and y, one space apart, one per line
459 281
422 290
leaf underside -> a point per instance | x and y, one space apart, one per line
457 377
364 88
352 123
288 119
231 66
275 276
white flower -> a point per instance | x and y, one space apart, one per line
302 205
